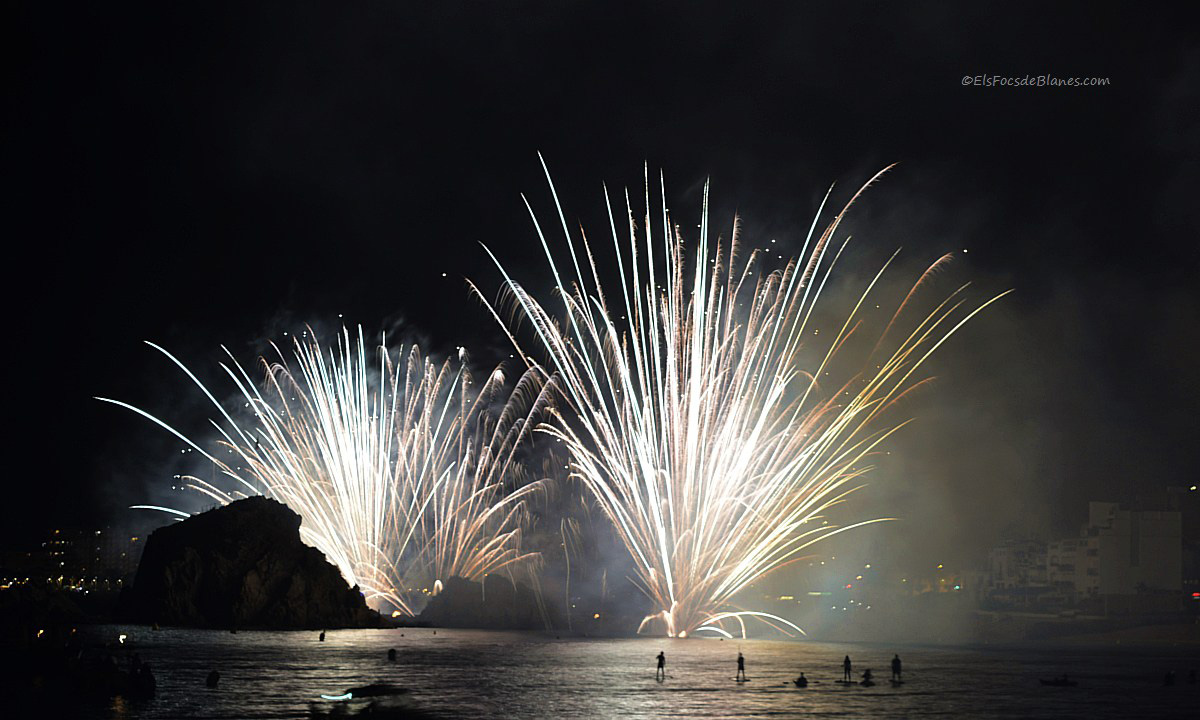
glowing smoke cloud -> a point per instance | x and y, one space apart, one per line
403 473
689 417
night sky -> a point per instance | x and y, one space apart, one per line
200 175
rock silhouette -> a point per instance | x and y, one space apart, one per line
241 566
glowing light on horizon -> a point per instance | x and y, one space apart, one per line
687 409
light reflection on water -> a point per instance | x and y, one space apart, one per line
465 673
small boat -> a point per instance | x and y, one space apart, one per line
376 690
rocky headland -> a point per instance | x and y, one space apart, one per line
241 566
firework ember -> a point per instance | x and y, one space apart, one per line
692 415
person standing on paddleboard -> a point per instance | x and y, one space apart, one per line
896 668
846 677
741 673
661 672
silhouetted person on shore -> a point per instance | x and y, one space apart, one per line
801 681
741 673
661 672
896 668
321 637
392 655
846 677
213 678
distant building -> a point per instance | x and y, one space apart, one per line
76 560
1132 551
1067 568
1017 574
1139 561
1019 563
1185 500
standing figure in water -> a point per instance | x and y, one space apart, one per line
846 677
661 672
896 668
741 672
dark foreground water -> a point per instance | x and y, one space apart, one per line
464 674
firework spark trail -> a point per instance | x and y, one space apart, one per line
713 453
404 474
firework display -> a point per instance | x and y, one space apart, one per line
403 471
694 405
706 414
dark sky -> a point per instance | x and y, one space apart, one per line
199 174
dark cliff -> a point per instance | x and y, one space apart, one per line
241 566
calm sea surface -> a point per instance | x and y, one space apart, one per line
468 674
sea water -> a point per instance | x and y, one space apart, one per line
482 674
